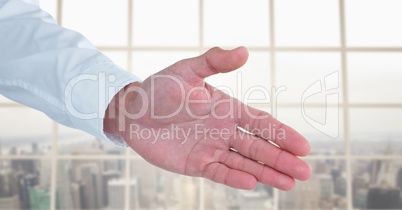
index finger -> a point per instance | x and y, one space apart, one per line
263 125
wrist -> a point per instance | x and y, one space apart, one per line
115 113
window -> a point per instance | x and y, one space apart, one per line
368 30
233 23
307 23
336 68
165 23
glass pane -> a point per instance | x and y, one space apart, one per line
250 82
160 189
322 127
25 184
309 77
118 57
103 22
307 23
77 142
218 196
50 6
375 77
24 131
376 131
377 184
326 189
165 23
147 63
236 22
91 184
363 28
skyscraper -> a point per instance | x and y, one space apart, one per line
44 172
1 152
326 191
39 198
374 170
383 198
88 174
359 186
25 183
107 176
8 184
76 189
147 179
340 185
360 198
9 198
305 195
399 179
88 195
387 174
64 185
117 198
327 186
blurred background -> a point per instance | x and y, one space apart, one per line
351 48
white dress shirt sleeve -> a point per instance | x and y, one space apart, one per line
56 70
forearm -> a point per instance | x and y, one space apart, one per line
55 70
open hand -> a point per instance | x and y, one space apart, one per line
178 122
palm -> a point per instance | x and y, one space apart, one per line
199 125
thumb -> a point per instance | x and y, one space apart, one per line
214 61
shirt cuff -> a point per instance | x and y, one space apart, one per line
88 95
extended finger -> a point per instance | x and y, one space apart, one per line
220 173
267 127
281 160
263 173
